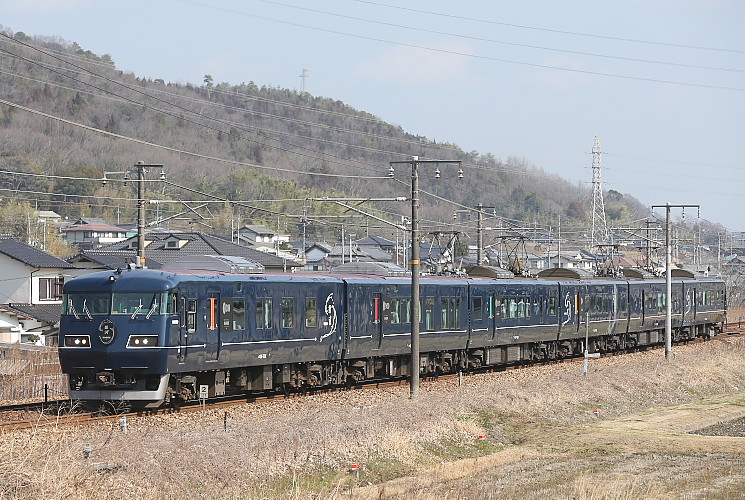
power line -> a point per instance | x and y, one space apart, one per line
176 150
472 56
502 42
563 32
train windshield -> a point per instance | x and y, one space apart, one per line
134 303
86 304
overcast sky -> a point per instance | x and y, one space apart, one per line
661 82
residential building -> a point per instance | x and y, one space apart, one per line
30 293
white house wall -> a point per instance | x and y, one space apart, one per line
14 285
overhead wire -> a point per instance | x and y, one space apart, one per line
563 32
502 42
302 172
467 55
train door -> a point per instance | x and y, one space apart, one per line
187 323
377 335
212 347
689 304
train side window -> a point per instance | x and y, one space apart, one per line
444 306
478 312
429 314
552 306
288 312
311 313
501 305
521 307
191 315
405 310
395 308
263 313
455 316
239 315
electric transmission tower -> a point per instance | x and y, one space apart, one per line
303 77
599 226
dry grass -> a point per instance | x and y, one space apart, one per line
543 440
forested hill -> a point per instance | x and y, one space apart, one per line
70 116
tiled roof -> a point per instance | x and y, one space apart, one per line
33 257
47 313
112 259
199 244
101 228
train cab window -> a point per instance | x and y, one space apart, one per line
263 313
170 302
288 312
311 314
429 314
239 314
135 303
85 304
478 310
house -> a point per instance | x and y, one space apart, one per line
94 235
376 242
30 292
163 247
258 235
48 217
315 256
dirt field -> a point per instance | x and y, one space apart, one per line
625 431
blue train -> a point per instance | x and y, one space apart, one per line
151 337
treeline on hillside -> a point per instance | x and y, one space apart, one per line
76 119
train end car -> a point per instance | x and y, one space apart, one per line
113 336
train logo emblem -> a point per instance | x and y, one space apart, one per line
567 309
330 310
107 331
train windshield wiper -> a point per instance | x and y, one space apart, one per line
85 310
152 309
72 308
137 311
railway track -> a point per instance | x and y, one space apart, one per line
64 413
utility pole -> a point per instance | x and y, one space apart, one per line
415 306
668 276
140 166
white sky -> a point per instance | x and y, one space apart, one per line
510 78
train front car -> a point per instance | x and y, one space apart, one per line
113 336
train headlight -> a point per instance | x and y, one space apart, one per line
143 341
77 341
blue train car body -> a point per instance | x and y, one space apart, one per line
149 336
